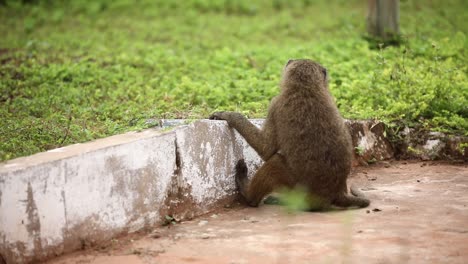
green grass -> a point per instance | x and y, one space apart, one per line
73 72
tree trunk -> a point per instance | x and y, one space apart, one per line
383 19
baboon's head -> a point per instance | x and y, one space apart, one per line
303 72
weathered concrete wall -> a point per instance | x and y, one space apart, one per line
85 194
82 194
426 145
369 141
206 155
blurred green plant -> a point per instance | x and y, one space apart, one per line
359 150
73 71
295 199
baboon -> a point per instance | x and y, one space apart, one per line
304 142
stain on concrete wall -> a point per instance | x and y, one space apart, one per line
33 225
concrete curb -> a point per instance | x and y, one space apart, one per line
426 145
86 194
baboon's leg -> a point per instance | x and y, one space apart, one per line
272 174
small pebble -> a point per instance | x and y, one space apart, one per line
206 236
202 223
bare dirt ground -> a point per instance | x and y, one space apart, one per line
419 214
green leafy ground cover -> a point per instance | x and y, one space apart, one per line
73 71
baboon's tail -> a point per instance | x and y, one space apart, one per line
241 176
358 199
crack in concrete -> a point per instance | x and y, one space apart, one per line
177 157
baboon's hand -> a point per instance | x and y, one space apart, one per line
218 116
231 117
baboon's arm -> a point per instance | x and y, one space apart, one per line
262 140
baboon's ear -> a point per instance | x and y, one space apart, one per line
325 74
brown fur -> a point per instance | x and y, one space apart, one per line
304 141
